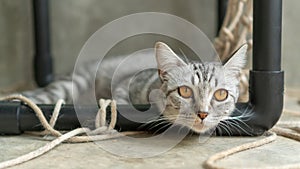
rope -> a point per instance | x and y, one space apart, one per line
210 162
289 129
289 133
102 132
236 30
42 150
236 27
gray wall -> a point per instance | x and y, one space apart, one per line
16 48
74 21
72 27
291 42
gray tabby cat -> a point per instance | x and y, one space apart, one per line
196 95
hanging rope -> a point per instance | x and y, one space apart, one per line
102 131
236 30
236 27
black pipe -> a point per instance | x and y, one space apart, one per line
42 57
17 117
266 78
267 35
222 8
258 115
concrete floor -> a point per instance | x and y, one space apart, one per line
187 154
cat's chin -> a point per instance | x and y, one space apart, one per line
200 128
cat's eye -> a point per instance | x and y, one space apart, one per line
221 95
185 92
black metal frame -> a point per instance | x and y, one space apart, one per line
222 8
42 58
266 88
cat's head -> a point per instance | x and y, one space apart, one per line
198 95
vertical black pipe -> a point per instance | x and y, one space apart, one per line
42 58
267 35
222 8
266 78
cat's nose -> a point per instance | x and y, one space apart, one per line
202 115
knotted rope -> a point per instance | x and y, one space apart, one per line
102 131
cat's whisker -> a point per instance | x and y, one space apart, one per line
246 129
228 129
151 122
240 120
163 127
225 127
236 125
219 128
158 124
231 127
246 114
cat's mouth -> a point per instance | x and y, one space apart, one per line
198 125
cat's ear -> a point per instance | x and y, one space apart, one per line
166 58
238 60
